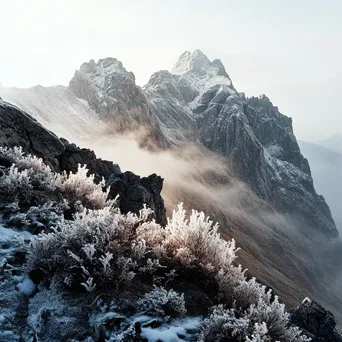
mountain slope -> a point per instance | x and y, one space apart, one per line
58 109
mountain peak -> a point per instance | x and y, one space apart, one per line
196 62
104 66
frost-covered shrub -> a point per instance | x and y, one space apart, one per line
270 311
265 318
54 318
12 154
81 187
98 249
29 173
16 183
161 302
45 216
196 242
223 325
249 292
230 324
259 333
17 220
39 174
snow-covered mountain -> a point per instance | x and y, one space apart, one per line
255 138
111 92
196 102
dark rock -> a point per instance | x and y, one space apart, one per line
137 328
73 156
134 192
37 275
4 162
19 129
315 321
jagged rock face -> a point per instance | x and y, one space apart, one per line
168 95
133 191
20 129
73 156
288 179
256 139
316 322
111 91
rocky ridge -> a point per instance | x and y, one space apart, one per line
318 323
20 129
255 138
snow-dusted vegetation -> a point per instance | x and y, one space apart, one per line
90 273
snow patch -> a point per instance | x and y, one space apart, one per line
8 336
274 150
9 234
8 238
175 332
26 287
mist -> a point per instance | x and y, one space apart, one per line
326 169
281 250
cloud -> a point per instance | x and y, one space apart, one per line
272 245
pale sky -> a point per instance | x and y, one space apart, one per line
289 50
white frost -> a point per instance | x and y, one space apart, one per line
26 287
172 333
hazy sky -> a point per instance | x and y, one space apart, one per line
290 50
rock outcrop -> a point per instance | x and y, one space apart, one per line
316 322
111 91
134 190
20 129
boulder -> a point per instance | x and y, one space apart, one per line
315 321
